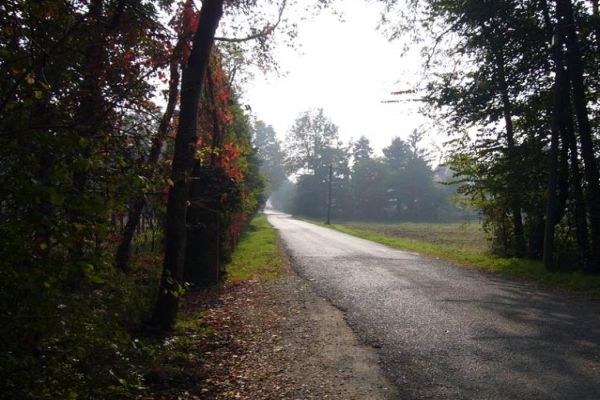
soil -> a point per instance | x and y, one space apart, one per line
274 340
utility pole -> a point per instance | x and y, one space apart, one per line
329 195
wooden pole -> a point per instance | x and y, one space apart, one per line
329 195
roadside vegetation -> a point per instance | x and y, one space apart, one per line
204 334
467 244
129 172
110 353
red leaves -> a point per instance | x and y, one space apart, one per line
215 119
239 221
227 160
189 26
190 18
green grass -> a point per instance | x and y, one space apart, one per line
468 236
465 244
258 255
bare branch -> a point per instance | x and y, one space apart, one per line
438 39
266 31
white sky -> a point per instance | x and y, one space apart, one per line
347 68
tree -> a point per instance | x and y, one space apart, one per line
227 188
193 75
369 184
76 121
397 154
139 201
311 141
575 68
410 179
271 154
313 146
361 150
524 97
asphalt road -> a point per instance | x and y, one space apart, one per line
448 332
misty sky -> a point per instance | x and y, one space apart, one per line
347 68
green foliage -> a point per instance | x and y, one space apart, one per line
492 68
248 194
398 186
312 144
76 118
271 155
80 344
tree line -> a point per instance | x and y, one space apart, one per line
113 122
515 82
400 185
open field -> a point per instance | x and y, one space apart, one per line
467 236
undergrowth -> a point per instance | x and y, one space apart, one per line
84 342
202 334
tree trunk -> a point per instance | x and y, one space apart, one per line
560 83
569 143
515 197
133 218
202 256
581 225
575 69
596 21
193 76
552 202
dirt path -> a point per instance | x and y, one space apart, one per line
277 340
304 347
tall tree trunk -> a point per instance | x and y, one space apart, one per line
133 217
581 224
552 202
560 83
202 254
193 76
596 21
575 69
515 197
569 142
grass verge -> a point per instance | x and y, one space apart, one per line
530 270
258 255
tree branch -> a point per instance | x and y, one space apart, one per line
266 31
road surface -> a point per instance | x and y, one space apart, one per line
448 332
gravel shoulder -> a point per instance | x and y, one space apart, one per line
304 347
272 340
